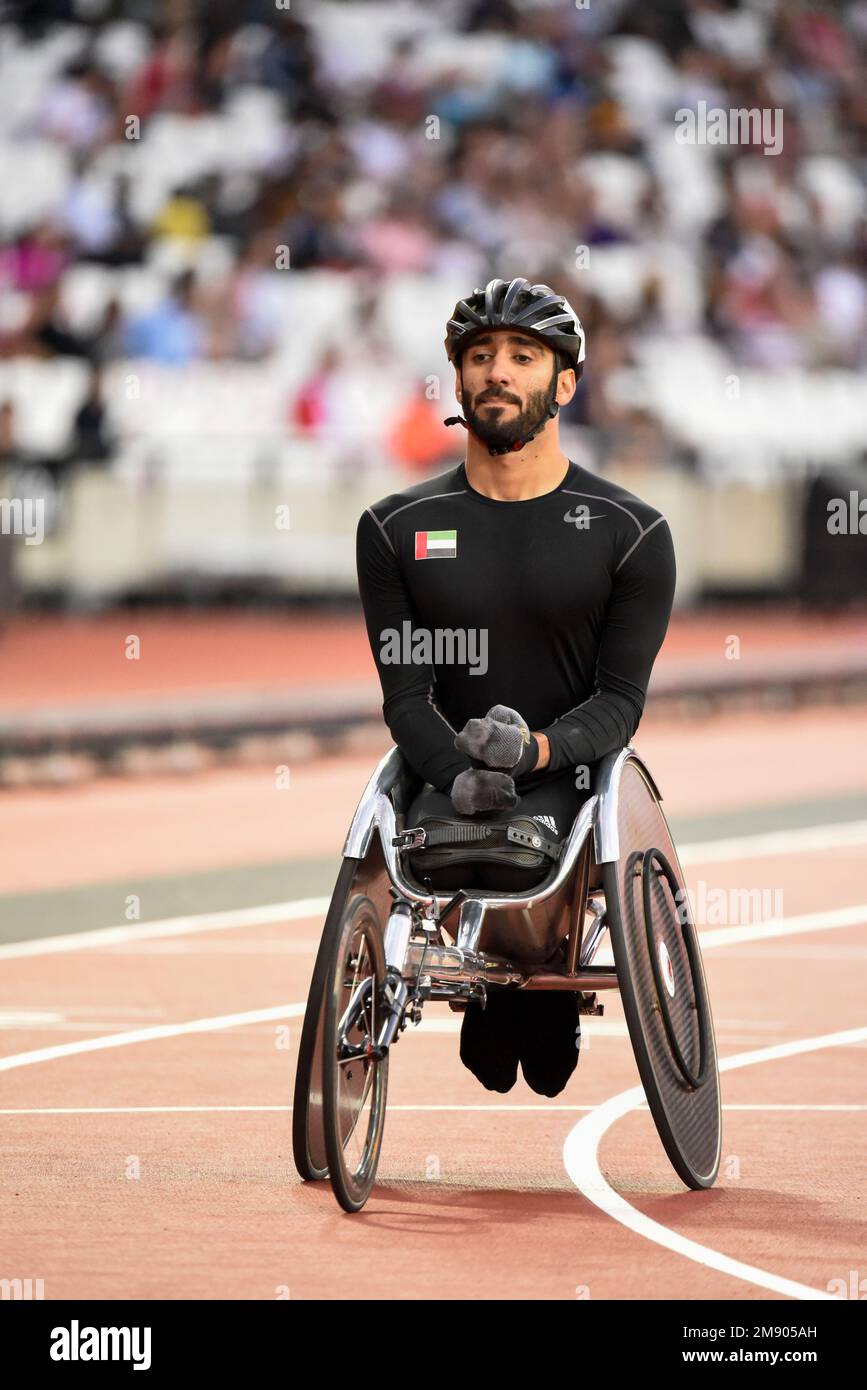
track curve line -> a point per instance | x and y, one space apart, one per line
581 1160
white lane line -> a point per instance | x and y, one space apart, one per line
838 952
169 926
800 840
785 926
285 1109
93 1027
289 946
581 1159
782 842
161 1030
31 1018
796 1107
301 909
83 1010
146 1109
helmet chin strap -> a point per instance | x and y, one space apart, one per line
550 411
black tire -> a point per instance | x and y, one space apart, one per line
308 1135
348 1085
664 991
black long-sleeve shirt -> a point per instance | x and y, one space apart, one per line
565 598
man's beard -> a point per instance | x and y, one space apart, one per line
506 430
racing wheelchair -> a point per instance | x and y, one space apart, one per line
390 946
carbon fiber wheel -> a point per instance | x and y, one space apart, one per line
662 983
308 1134
354 1065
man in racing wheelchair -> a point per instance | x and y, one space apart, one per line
560 584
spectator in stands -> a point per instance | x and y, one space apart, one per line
36 259
92 439
183 216
314 403
79 111
108 341
7 540
419 440
400 239
494 133
9 451
24 474
48 331
165 81
173 332
98 218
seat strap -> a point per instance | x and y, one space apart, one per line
471 832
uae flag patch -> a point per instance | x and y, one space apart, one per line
436 545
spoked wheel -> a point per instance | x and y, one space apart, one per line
354 1073
662 983
308 1134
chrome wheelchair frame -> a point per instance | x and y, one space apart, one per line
466 962
384 954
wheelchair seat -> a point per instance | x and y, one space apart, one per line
498 876
532 931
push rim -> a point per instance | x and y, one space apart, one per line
355 1078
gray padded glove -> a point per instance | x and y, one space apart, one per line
502 739
477 789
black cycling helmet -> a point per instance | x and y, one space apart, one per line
532 309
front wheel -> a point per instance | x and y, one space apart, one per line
308 1135
354 1069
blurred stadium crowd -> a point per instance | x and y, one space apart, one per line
270 213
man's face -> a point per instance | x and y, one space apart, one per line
504 385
